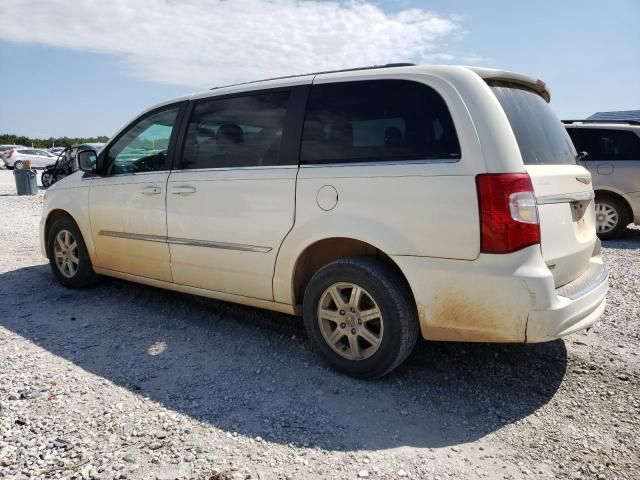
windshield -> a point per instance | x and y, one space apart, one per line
541 136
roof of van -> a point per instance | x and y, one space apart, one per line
486 73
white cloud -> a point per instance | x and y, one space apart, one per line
203 43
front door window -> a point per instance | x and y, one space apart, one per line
143 148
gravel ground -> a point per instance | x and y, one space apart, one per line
126 381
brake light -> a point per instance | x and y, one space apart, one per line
508 212
10 153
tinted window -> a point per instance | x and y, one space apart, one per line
236 132
377 121
143 147
541 136
606 144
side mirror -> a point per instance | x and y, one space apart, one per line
87 160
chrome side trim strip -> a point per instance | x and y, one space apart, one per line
133 236
566 198
223 245
186 241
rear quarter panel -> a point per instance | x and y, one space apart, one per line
406 208
621 177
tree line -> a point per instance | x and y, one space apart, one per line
7 139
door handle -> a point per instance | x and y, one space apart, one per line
151 190
183 190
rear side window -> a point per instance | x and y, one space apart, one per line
236 132
379 120
606 144
541 136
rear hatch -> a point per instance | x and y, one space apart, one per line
563 189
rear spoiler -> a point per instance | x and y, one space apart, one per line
537 85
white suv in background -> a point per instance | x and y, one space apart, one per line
379 203
612 155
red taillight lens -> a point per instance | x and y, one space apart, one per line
508 213
10 153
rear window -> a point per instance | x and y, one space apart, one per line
606 144
541 136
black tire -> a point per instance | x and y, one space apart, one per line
45 179
621 212
18 164
389 291
84 276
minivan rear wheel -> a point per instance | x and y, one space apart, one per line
18 164
611 217
360 314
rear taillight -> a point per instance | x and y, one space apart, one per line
10 153
508 212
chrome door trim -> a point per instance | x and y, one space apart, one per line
380 163
233 169
133 236
132 174
566 198
222 245
186 241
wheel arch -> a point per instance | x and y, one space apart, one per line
52 217
617 196
322 252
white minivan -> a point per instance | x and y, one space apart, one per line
378 203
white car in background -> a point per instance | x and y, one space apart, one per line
5 148
15 158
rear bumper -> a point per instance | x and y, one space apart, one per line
577 306
502 298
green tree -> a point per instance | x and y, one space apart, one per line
9 139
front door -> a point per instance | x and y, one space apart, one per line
127 203
231 195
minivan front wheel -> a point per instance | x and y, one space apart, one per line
18 164
68 256
360 314
611 217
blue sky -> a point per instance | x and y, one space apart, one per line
76 68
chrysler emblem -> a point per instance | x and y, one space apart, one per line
585 180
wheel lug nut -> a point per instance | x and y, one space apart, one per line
352 309
341 312
353 331
343 325
359 321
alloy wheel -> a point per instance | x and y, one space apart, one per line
66 253
350 321
607 217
